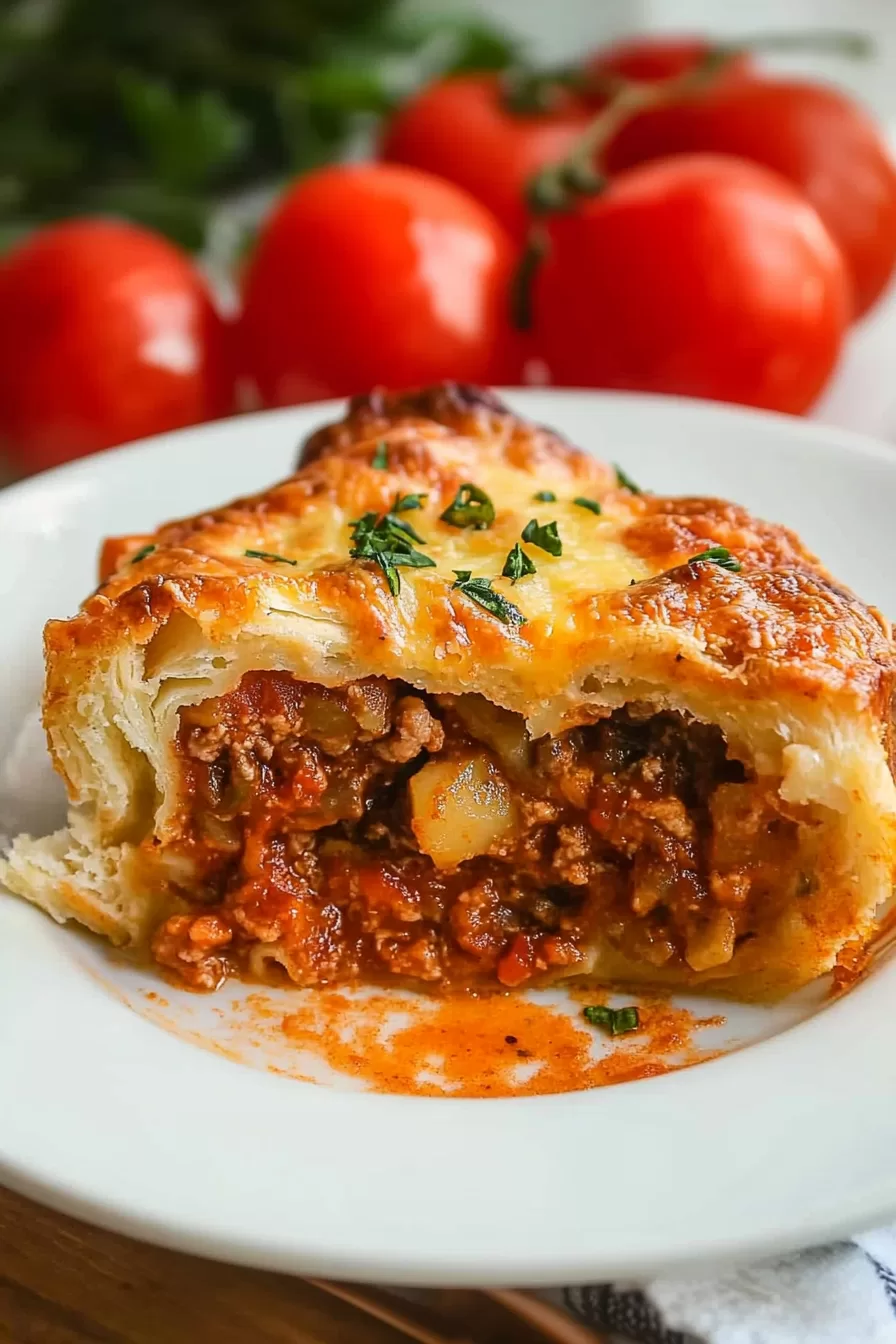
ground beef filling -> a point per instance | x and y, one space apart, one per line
372 833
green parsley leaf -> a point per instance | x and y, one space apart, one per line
389 561
143 552
380 458
471 507
543 535
517 564
185 138
718 555
404 503
386 540
480 590
386 564
374 531
591 504
396 525
614 1021
269 555
545 497
625 481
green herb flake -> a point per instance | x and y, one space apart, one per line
718 555
384 532
143 552
625 481
387 541
591 504
545 497
269 555
471 507
396 525
380 459
387 565
518 564
613 1021
404 503
544 536
481 591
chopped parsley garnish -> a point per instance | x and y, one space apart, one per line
718 555
404 503
269 555
545 497
143 552
386 562
471 507
481 591
590 504
614 1021
397 525
518 564
625 480
384 530
543 535
386 540
380 458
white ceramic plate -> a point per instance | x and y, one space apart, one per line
107 1114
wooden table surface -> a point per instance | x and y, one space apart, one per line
62 1282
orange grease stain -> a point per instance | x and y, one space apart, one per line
495 1046
491 1047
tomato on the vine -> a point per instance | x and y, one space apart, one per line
108 334
700 275
373 273
814 136
463 129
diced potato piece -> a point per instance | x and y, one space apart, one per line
327 721
370 701
713 943
499 729
460 808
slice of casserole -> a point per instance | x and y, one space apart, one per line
457 706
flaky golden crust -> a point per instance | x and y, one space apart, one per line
794 668
781 619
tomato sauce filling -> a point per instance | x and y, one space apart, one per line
372 833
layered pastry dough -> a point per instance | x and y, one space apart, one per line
287 752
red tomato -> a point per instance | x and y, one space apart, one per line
814 136
107 333
460 129
518 962
649 59
699 275
373 273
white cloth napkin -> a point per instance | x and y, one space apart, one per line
842 1294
